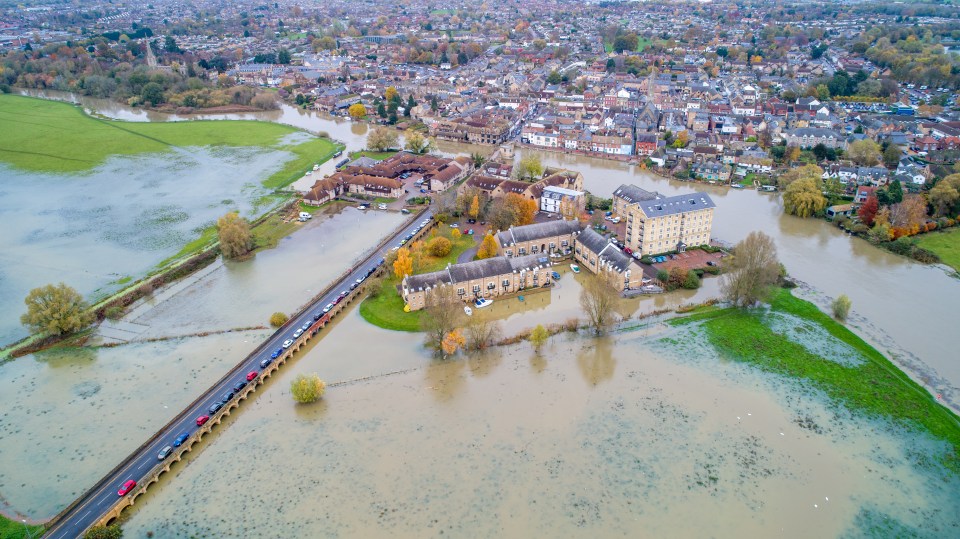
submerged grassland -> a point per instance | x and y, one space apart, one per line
49 136
794 338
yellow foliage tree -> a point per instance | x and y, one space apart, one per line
452 342
488 247
804 198
524 209
455 234
390 93
403 265
475 206
357 111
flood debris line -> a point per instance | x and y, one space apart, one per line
175 337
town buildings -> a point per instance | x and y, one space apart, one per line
486 278
369 177
659 224
598 255
551 237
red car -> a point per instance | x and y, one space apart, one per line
251 375
202 419
628 250
127 487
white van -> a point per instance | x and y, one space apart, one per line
305 216
381 206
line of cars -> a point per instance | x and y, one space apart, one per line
201 420
410 236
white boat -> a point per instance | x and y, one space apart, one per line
468 310
574 268
482 302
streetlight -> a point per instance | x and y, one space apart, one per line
26 529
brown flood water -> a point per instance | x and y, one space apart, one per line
623 436
618 436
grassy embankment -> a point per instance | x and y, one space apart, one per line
11 529
876 387
945 244
385 310
48 136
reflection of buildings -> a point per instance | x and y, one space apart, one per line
659 224
487 278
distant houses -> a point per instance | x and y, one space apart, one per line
369 177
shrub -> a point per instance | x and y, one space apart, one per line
691 282
278 319
113 312
112 531
646 260
663 276
922 255
307 388
439 247
841 307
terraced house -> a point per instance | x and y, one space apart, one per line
658 224
552 237
487 278
595 253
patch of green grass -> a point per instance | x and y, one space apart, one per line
207 237
643 43
268 234
379 156
11 529
385 310
945 244
876 387
49 136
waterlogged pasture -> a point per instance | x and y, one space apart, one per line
117 221
649 431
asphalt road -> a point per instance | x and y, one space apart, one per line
97 502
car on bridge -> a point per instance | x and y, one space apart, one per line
305 326
251 375
239 385
265 362
126 487
276 353
287 343
180 439
297 333
214 408
202 419
327 308
164 453
225 398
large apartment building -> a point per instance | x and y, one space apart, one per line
660 224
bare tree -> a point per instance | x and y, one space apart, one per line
482 330
598 298
441 315
753 270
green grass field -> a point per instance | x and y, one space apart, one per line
11 529
945 244
385 310
876 387
379 156
49 136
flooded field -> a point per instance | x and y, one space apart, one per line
624 435
117 221
644 433
68 416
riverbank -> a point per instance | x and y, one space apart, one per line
945 244
797 340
